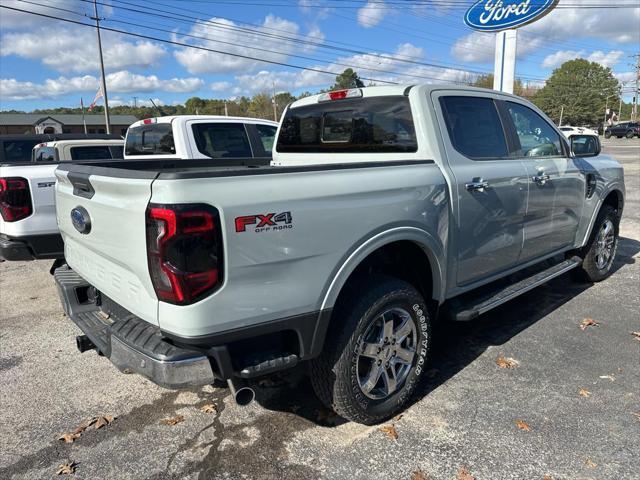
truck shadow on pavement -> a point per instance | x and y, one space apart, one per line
455 345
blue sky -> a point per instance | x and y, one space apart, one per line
47 63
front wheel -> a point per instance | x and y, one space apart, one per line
600 252
375 351
629 134
607 134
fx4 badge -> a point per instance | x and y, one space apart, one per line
264 223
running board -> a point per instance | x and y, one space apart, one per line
463 311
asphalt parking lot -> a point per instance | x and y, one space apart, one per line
574 393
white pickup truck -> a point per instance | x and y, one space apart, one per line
386 210
201 137
28 228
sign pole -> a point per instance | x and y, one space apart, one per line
505 61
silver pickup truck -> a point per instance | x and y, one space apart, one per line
385 210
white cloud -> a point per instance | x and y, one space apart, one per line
220 86
371 14
605 59
614 25
626 77
222 34
75 49
117 82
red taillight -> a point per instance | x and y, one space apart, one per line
15 199
184 250
340 95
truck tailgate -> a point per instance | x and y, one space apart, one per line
112 253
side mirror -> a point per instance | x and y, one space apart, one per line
585 145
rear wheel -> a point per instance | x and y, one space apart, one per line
629 134
607 134
600 252
375 351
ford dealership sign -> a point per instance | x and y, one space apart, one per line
495 15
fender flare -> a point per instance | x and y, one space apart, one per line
611 188
420 237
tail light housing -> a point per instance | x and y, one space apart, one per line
15 199
184 251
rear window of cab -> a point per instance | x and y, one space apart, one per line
151 139
361 125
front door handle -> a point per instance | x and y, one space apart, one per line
541 178
478 185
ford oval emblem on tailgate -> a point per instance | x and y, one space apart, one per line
81 220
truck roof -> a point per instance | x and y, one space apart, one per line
207 118
389 90
83 141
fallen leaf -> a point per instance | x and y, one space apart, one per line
507 362
547 477
463 474
86 424
588 322
637 415
103 421
398 417
390 431
209 408
69 437
419 475
522 425
636 335
590 463
584 393
66 468
173 420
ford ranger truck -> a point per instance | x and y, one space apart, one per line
386 209
202 137
28 228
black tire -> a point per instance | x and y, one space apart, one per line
607 134
619 136
590 270
629 134
335 373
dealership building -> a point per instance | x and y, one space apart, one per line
30 123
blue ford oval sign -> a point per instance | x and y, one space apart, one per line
496 15
81 220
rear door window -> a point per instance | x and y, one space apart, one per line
93 152
222 140
152 139
362 125
474 127
44 154
16 151
267 134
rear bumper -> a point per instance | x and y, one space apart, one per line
175 362
132 345
32 247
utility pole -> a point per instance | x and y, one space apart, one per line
275 105
561 113
135 102
620 110
634 111
103 79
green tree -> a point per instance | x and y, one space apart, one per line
347 79
580 88
519 88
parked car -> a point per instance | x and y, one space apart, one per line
569 131
18 148
386 209
83 149
625 129
28 228
249 140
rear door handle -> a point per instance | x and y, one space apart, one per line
541 178
477 186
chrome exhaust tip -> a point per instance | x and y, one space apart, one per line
242 393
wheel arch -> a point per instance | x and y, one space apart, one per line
614 197
411 244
